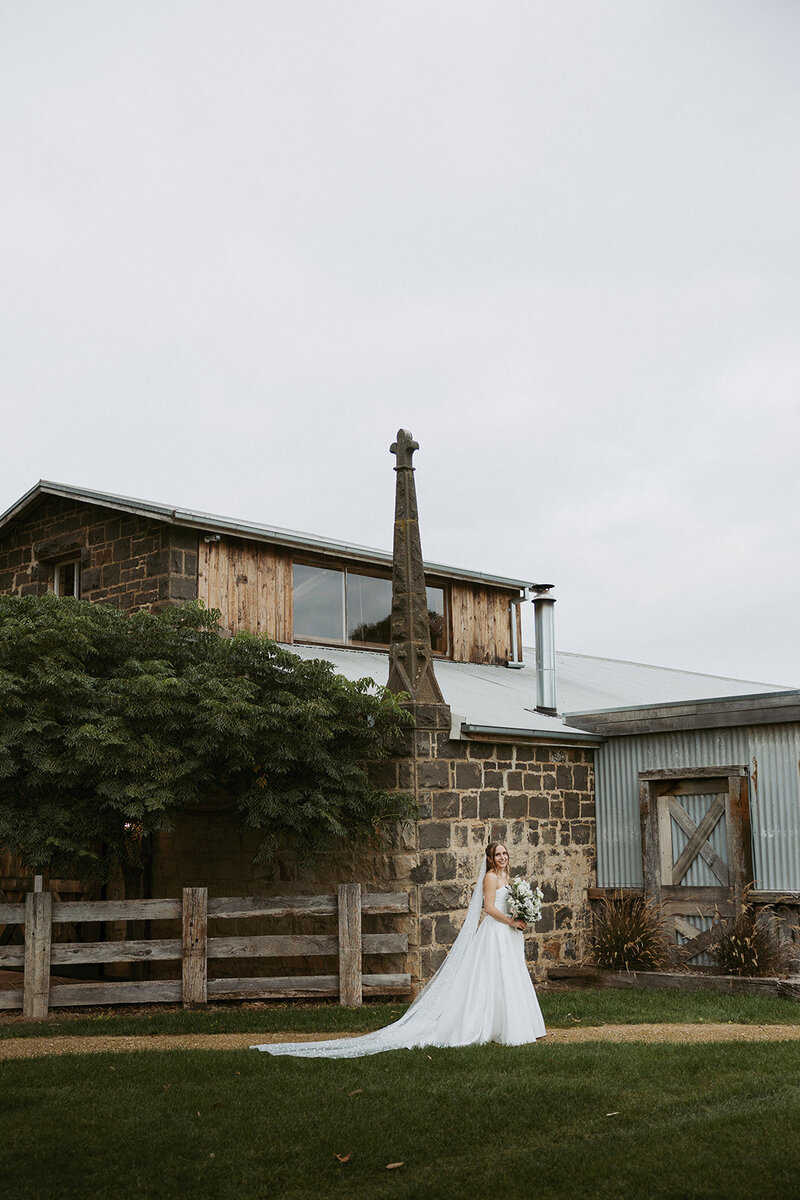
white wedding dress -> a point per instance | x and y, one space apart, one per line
481 993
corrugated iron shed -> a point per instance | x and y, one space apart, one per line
758 732
770 752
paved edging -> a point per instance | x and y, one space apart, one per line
37 1047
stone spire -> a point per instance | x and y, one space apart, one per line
410 654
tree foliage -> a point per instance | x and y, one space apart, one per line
111 724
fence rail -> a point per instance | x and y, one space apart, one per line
195 948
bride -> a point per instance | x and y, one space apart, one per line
481 993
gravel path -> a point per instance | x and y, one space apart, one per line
39 1046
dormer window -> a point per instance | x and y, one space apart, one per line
349 607
67 577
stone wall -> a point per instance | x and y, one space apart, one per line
128 560
537 799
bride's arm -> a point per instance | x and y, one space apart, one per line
491 909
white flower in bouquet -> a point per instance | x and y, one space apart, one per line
524 902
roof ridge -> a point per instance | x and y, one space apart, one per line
232 527
629 662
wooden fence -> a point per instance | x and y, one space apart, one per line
194 948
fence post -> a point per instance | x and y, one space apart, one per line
350 944
195 947
38 930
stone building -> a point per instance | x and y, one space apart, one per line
488 757
474 779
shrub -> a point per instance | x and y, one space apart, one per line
752 942
110 725
630 935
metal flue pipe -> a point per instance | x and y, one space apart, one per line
543 614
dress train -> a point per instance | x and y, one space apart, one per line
481 993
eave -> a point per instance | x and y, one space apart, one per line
767 708
536 737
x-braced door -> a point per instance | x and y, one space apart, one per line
696 848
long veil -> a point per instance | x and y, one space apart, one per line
417 1026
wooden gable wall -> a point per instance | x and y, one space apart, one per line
480 623
251 585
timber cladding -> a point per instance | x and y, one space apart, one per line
480 623
250 584
125 559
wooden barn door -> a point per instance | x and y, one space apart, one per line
696 848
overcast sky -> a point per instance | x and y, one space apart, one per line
242 243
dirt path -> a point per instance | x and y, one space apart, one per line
40 1046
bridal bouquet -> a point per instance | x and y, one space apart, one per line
524 902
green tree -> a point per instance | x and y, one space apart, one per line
111 724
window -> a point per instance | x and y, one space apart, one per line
318 599
66 578
340 605
369 609
437 618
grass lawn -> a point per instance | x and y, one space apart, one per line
560 1009
535 1123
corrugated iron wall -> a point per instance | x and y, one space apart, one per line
771 754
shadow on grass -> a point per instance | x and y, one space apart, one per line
545 1122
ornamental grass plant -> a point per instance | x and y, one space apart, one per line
754 942
630 935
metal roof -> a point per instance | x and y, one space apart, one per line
587 684
484 698
212 523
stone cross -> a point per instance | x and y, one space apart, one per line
403 449
410 653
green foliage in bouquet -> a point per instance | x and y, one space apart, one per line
111 724
753 943
630 935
